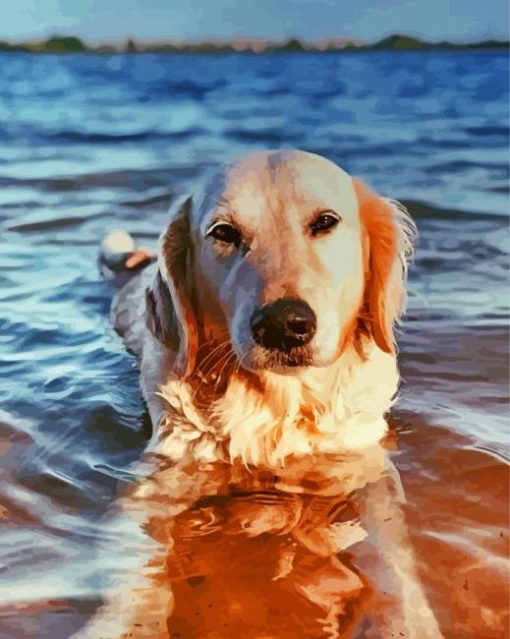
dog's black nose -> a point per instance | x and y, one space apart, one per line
285 324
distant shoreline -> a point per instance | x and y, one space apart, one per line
397 42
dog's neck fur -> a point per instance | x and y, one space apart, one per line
265 418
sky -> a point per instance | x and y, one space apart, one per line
146 20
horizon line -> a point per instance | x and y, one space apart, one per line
355 41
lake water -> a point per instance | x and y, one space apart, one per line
89 143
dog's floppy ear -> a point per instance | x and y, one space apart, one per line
388 235
160 314
172 305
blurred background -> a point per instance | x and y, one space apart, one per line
110 109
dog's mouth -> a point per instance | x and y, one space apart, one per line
273 358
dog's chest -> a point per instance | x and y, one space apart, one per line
282 417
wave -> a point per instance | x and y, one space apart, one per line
45 225
421 209
86 137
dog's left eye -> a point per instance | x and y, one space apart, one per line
324 222
225 233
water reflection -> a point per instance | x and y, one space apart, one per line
319 549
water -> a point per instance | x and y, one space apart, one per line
88 143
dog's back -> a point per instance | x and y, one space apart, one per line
131 271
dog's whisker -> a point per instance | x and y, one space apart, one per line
222 363
231 357
218 362
211 354
203 371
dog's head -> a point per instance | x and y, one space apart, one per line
287 259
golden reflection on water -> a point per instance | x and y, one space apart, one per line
314 550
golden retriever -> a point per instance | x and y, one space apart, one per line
265 336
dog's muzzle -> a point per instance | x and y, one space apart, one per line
283 325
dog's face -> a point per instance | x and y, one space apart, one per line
280 251
289 257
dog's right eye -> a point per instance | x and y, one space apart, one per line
225 233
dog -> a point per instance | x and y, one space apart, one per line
265 334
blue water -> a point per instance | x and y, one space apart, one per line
90 142
428 126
